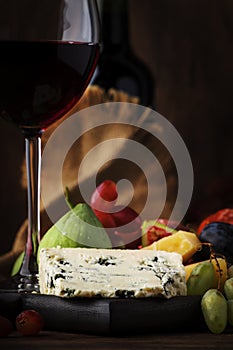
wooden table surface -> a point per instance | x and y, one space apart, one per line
68 341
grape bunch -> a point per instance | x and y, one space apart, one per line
215 285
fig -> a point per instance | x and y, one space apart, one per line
78 228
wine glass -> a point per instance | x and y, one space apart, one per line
48 53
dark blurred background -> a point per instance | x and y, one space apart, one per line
188 48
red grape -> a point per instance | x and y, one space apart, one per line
29 322
125 215
130 235
111 216
106 219
6 327
104 196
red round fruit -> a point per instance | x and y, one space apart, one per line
104 196
223 215
153 230
106 219
29 322
125 215
128 227
122 224
6 327
155 233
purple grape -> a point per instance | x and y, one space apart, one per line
220 234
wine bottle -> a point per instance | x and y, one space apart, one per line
118 66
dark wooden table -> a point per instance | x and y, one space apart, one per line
162 341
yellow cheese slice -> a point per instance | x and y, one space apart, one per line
182 242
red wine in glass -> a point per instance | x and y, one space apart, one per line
48 53
41 81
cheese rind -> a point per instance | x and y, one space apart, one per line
87 272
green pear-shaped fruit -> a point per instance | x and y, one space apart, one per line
77 228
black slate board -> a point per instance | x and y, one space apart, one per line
108 316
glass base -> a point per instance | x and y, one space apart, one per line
21 284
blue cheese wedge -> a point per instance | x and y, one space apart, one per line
111 273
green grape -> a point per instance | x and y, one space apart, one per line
201 278
228 288
230 311
230 271
214 308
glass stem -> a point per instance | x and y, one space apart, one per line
33 166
